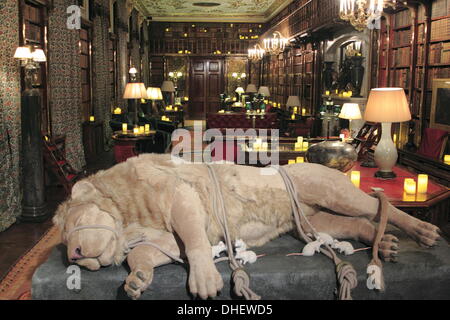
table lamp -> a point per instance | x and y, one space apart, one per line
168 86
293 101
264 91
251 88
350 111
239 91
386 105
154 94
135 91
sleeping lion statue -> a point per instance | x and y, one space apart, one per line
170 204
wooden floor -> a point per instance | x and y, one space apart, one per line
21 237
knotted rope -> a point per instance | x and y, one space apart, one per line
240 278
346 274
384 215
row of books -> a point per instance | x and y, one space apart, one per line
401 57
402 37
402 18
440 29
439 53
440 8
401 78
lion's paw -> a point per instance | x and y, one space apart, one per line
388 248
204 279
426 234
137 282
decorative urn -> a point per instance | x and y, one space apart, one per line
333 154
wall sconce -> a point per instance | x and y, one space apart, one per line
30 59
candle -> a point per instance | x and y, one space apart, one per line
342 137
327 93
175 109
337 91
394 138
303 112
350 94
299 146
141 129
421 197
300 140
422 183
293 117
408 197
117 111
291 162
447 158
92 119
147 128
124 127
410 186
295 109
356 178
300 159
305 146
136 130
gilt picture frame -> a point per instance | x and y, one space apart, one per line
440 105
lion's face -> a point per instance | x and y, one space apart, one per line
91 248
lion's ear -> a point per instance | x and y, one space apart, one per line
82 188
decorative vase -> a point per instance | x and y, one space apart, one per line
333 154
357 75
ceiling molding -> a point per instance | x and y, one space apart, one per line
261 10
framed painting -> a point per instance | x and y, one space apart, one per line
440 105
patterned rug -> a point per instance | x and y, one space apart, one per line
17 283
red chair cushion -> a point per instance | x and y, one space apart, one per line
432 141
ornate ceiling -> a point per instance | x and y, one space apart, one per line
211 10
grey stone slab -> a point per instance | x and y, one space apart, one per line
419 274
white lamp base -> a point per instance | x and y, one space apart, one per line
386 154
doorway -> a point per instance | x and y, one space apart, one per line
206 84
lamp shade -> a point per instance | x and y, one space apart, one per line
251 88
293 101
23 53
135 90
350 111
239 90
387 105
154 93
168 86
39 55
264 91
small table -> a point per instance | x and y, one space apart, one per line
127 145
433 207
175 116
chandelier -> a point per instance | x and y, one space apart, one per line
257 53
275 45
362 12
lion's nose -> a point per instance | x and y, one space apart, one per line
76 254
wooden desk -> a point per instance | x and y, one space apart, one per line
433 207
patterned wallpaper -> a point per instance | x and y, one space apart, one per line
10 201
64 79
102 78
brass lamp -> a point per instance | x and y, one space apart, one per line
350 111
135 91
154 94
168 86
387 105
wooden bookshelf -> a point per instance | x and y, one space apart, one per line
415 49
